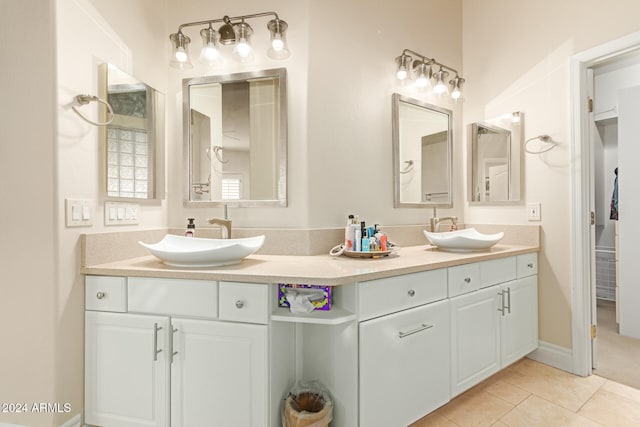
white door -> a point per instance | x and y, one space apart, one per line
126 370
404 365
475 338
592 208
219 374
629 206
519 320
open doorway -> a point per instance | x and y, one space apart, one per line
600 77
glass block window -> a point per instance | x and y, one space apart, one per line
128 162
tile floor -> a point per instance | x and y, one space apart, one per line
529 394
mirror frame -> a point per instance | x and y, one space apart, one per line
397 203
515 155
156 107
187 83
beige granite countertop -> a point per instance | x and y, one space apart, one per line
313 269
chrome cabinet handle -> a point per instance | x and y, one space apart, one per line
172 340
156 328
502 308
421 328
467 279
239 304
411 292
509 300
101 295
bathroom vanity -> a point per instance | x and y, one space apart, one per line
405 334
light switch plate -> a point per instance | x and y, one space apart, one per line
78 212
533 211
121 213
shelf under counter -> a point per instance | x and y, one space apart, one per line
335 316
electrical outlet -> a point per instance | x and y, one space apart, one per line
533 211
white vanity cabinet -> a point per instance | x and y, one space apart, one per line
404 351
493 324
167 359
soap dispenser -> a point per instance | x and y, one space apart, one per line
191 228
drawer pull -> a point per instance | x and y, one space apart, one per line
239 304
411 292
174 352
467 279
101 295
414 331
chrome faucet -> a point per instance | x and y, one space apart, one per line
435 221
225 224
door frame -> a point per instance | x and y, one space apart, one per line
581 168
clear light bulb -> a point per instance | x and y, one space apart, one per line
455 94
422 81
440 88
181 54
209 53
242 48
402 73
277 44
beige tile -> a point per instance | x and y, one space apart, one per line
478 408
565 389
622 390
507 392
434 420
612 409
537 412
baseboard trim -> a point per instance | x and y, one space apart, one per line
553 355
73 422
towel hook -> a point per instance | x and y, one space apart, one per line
408 168
84 100
544 138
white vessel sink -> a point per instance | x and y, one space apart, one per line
179 251
465 240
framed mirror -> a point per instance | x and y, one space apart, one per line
422 158
235 139
134 141
494 160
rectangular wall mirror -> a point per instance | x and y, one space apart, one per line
422 145
135 138
235 139
495 160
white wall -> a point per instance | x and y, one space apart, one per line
28 261
516 58
341 75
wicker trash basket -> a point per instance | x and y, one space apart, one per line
307 409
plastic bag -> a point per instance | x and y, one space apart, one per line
307 405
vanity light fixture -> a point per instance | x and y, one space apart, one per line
234 32
425 76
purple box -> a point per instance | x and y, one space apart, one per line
319 304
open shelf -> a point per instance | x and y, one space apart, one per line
335 316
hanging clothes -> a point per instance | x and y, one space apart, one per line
614 199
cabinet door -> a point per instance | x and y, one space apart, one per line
126 370
219 374
475 338
519 326
404 365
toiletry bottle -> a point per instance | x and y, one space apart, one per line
383 242
349 234
365 241
191 228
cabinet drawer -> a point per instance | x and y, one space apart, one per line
104 293
383 296
497 271
463 278
179 297
244 302
527 265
